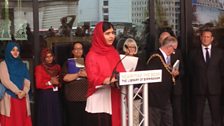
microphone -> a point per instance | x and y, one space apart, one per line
114 72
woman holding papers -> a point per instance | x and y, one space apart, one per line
133 63
129 59
48 86
130 48
75 87
103 100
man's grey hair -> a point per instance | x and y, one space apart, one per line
169 41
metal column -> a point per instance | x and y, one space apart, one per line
124 105
36 31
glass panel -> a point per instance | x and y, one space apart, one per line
208 14
130 22
167 16
16 23
62 22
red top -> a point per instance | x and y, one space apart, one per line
100 62
42 77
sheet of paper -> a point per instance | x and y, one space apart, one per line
79 62
129 62
176 65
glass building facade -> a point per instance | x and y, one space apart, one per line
35 24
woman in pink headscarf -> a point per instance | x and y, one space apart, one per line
103 101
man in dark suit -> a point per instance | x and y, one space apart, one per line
206 73
176 97
160 108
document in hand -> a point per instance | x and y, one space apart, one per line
176 65
75 64
129 62
80 62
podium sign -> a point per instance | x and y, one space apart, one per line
140 77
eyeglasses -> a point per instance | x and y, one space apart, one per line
78 49
174 49
131 47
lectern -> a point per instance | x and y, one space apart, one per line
127 80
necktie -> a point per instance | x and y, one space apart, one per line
168 60
207 55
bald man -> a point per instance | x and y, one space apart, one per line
162 36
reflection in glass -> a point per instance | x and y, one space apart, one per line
167 15
130 22
130 18
208 14
14 20
5 22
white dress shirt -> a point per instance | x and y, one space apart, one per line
204 50
167 58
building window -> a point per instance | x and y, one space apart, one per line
105 3
106 18
105 10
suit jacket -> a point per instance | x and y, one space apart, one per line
177 88
206 78
159 93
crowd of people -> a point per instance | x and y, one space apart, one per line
84 92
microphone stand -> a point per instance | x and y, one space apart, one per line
115 68
114 72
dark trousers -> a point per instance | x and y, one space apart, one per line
48 108
177 110
161 116
214 102
98 119
75 113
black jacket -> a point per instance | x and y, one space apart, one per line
177 88
159 93
206 78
